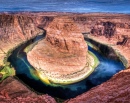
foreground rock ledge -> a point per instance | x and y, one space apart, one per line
12 91
116 90
62 57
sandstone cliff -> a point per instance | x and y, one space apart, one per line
113 30
114 33
66 36
15 29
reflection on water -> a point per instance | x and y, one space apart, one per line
106 69
117 6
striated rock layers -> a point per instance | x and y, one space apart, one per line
112 30
15 29
116 90
109 29
62 56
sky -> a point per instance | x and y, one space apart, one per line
115 6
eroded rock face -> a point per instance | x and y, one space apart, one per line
65 35
15 29
63 52
111 30
104 28
116 90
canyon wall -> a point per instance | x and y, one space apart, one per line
15 29
109 29
112 30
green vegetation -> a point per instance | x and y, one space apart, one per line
6 71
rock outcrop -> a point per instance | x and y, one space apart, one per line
115 90
104 28
65 35
12 91
62 56
14 30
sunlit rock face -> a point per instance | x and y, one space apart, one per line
15 29
64 35
62 56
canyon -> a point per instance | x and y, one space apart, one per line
62 55
111 30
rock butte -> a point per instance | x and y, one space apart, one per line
19 27
62 57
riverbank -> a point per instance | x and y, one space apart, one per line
53 79
113 51
62 57
29 75
72 78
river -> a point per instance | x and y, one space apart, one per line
28 75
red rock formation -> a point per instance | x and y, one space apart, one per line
28 99
15 29
12 91
63 51
111 30
64 35
115 90
104 28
